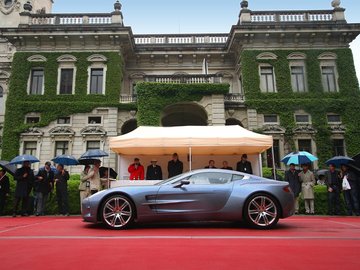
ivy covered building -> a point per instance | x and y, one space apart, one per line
68 82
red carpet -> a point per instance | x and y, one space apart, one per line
298 243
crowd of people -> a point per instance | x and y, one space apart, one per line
344 181
41 185
176 167
46 180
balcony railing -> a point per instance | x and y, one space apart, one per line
128 98
291 16
236 98
180 39
184 78
70 19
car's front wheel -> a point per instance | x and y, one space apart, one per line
118 212
262 211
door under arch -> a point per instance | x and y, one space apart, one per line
184 114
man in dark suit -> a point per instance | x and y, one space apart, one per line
211 165
153 171
333 184
4 190
24 177
61 179
244 165
43 185
175 166
292 177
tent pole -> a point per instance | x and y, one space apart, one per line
190 159
108 180
273 162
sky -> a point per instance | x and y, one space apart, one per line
198 16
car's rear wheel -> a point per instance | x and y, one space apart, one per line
118 212
262 211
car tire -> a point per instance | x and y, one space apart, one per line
261 211
118 212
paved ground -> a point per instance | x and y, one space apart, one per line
297 243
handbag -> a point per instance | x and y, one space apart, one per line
345 184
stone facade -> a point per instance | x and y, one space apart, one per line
164 59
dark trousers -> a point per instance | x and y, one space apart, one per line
24 204
2 203
352 203
62 200
334 203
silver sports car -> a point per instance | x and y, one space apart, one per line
202 195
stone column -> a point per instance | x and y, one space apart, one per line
218 110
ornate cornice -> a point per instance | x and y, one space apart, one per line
304 129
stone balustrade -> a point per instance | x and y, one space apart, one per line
180 39
291 16
184 78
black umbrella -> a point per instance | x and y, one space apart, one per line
88 161
112 175
8 167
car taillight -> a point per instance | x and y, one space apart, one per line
287 189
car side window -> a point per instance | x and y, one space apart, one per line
210 178
237 177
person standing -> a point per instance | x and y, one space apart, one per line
61 179
136 170
226 166
308 182
24 177
4 190
84 186
211 165
94 177
349 185
333 184
44 183
244 165
154 171
175 166
292 177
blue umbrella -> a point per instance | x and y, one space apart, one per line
96 153
21 159
299 158
66 160
339 160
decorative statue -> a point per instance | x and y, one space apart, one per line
335 3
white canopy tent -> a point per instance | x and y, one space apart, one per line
224 141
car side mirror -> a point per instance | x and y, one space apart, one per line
182 183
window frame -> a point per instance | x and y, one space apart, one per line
302 114
33 151
271 115
30 116
61 68
95 66
92 141
30 82
94 124
298 64
326 84
65 124
67 151
333 122
273 75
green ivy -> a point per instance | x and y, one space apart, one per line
316 102
154 97
50 105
